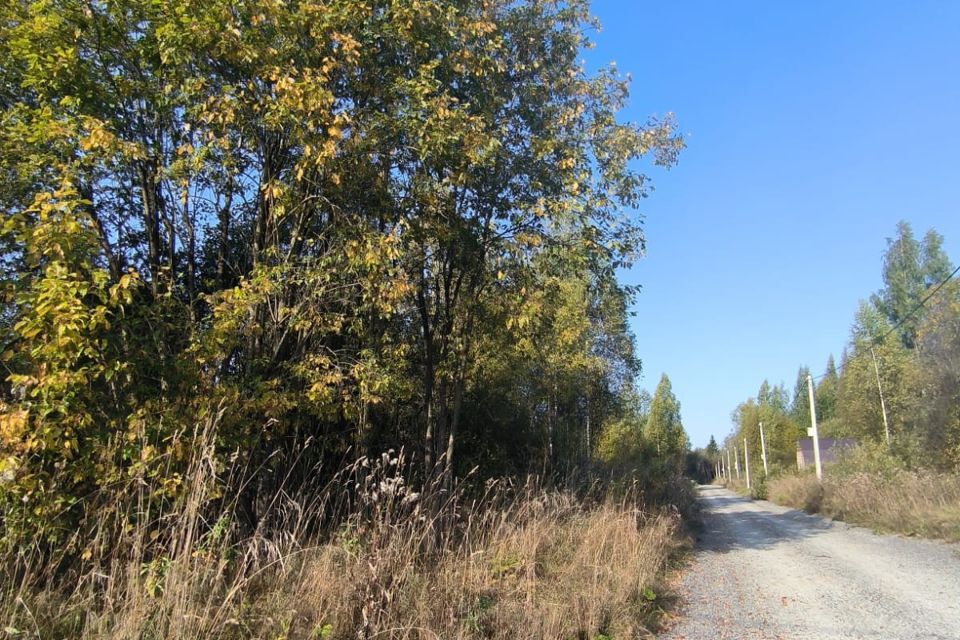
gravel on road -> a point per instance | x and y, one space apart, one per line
767 572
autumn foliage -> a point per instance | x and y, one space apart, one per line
246 244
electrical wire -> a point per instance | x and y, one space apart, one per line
919 305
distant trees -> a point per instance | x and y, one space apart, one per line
664 428
712 450
826 391
900 348
799 404
649 433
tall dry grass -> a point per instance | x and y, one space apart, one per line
912 502
364 556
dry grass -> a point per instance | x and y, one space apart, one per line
545 570
366 557
797 491
923 503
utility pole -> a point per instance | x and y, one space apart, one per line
763 450
812 432
736 460
883 405
746 460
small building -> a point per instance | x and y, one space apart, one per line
830 448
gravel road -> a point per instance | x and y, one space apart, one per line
765 571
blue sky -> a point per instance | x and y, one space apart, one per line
812 128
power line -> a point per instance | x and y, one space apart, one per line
902 320
918 307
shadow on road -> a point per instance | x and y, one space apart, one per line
731 522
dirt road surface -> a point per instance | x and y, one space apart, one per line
768 572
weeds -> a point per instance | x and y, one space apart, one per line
365 556
872 490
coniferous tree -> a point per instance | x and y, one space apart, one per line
935 265
825 392
713 451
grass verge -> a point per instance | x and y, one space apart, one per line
368 557
919 502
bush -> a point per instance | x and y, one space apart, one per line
759 490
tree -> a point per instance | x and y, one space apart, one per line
909 269
800 405
938 378
713 451
935 265
825 392
898 347
355 226
873 349
664 428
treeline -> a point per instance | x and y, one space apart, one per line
648 439
268 238
904 346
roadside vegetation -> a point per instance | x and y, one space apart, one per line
869 487
368 556
311 328
895 392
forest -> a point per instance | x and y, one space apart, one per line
342 276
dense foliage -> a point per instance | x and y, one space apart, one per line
903 360
274 236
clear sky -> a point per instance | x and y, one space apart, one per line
812 128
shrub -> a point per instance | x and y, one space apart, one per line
759 490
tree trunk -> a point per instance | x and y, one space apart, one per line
428 373
113 261
224 215
151 222
191 246
459 385
261 228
